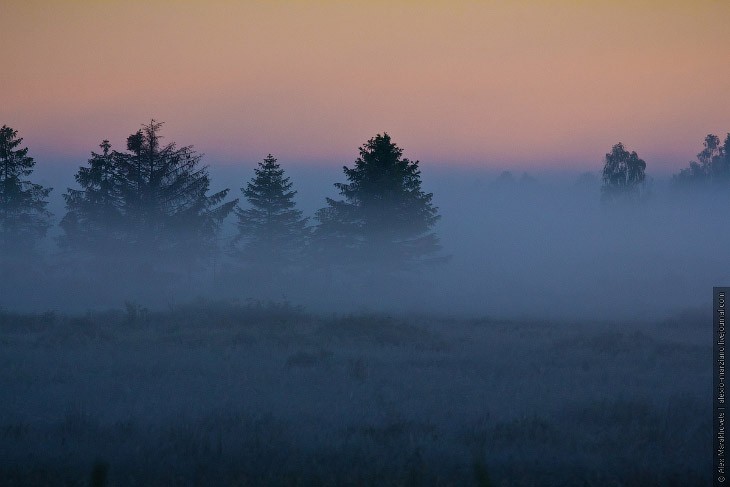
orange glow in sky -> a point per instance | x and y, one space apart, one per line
495 83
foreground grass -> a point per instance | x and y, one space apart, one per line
220 394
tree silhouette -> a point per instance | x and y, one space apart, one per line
24 219
623 174
95 212
712 165
150 203
164 191
505 181
385 218
272 231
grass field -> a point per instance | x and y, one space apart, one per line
240 395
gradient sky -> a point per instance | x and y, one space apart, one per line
497 84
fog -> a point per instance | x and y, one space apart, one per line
543 245
561 340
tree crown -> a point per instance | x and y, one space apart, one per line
271 227
712 165
384 212
23 215
623 172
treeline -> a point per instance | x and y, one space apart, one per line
147 209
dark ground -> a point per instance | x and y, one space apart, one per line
218 394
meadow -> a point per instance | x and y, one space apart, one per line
224 393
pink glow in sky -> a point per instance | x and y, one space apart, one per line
495 84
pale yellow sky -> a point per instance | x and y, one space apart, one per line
529 84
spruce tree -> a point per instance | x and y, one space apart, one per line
385 218
149 204
24 219
167 211
94 212
272 232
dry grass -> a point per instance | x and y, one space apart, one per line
257 394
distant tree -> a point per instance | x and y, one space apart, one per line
505 181
527 180
95 212
272 231
715 159
24 219
385 218
150 203
623 174
164 189
712 165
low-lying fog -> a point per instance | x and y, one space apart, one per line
555 347
539 246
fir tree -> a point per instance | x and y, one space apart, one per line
94 212
24 219
272 231
150 203
385 217
166 208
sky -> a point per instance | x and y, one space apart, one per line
532 85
